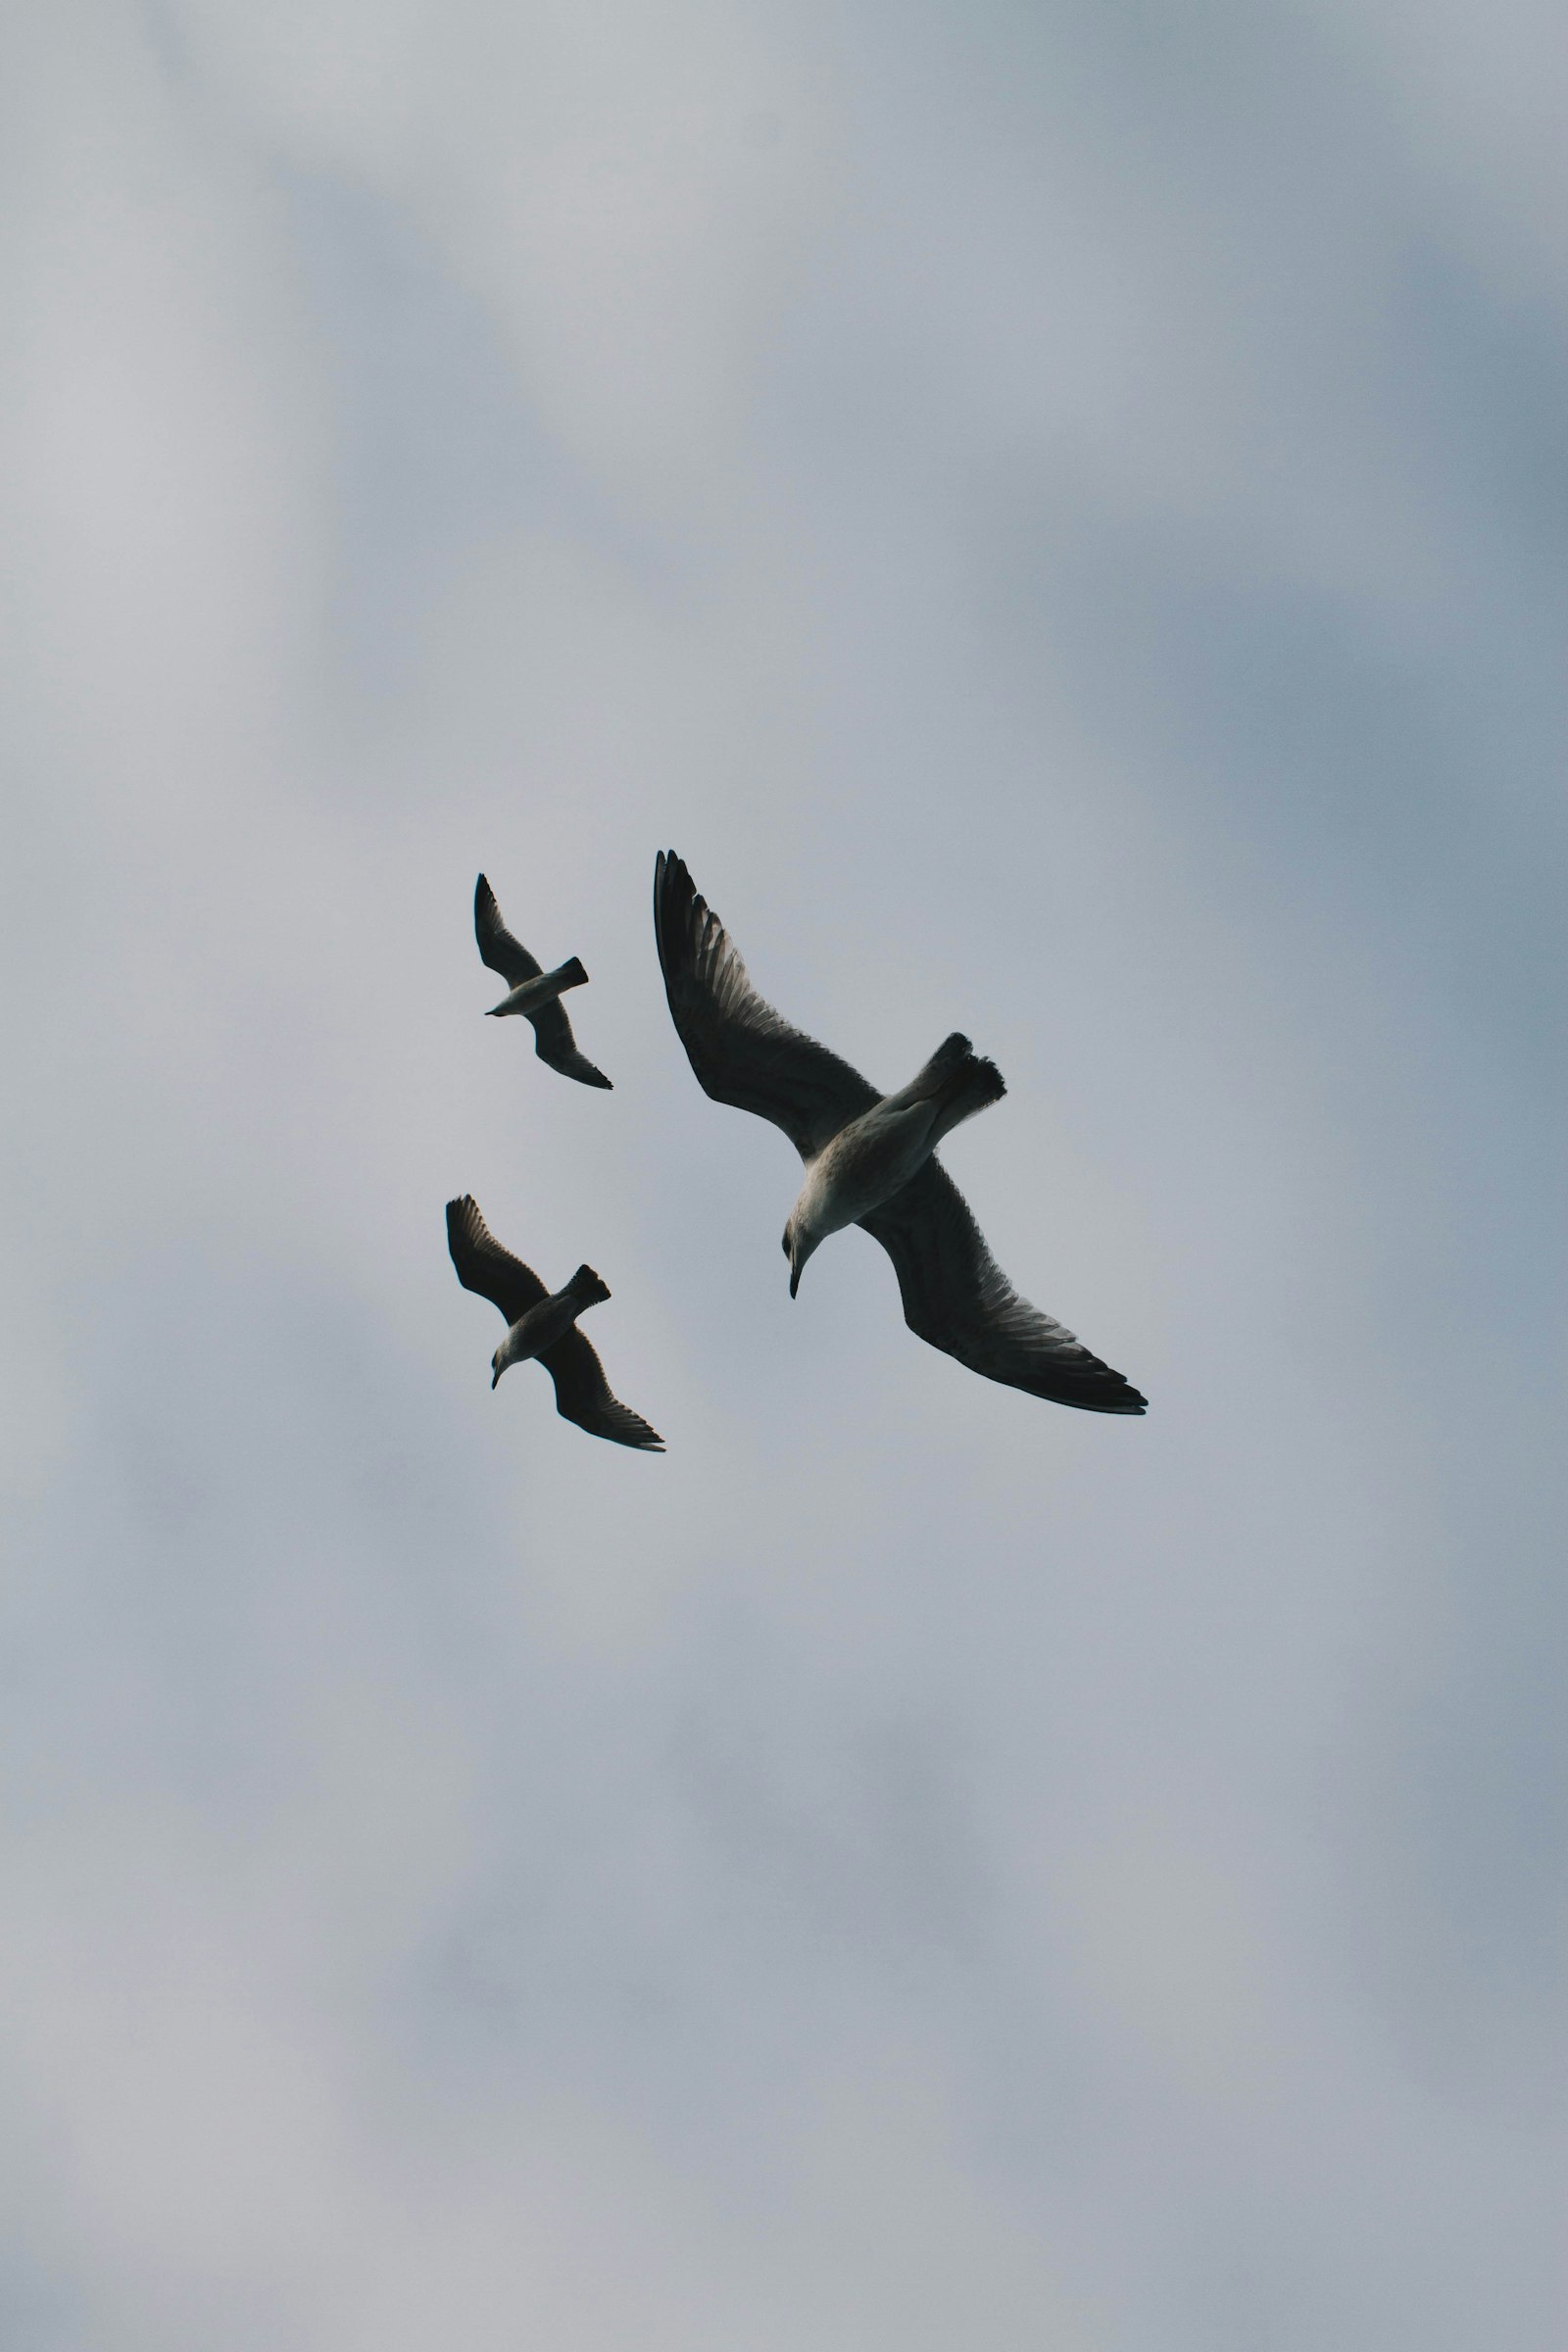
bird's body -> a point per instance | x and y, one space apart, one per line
869 1158
875 1156
549 1319
541 1326
531 996
532 991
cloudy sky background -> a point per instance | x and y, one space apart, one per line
1057 512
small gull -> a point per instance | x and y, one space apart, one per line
869 1158
533 992
544 1324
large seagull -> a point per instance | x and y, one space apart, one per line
869 1158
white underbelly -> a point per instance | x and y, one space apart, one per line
872 1159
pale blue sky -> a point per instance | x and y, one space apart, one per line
1057 515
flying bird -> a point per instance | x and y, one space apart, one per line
869 1158
531 991
544 1324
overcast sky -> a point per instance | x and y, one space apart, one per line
1057 514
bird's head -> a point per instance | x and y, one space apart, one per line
799 1243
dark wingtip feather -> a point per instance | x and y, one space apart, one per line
463 1226
487 921
675 902
570 1064
643 1438
1124 1399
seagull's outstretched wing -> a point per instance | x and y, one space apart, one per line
497 946
740 1050
957 1297
583 1394
484 1267
553 1040
554 1043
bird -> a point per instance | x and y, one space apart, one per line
869 1158
531 991
543 1323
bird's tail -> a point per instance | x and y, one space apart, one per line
587 1288
957 1083
571 973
